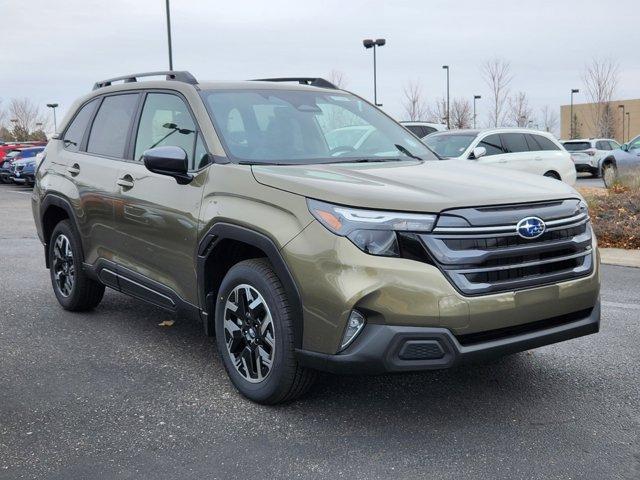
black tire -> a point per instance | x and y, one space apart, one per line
84 293
551 174
286 379
595 173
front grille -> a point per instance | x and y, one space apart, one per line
479 257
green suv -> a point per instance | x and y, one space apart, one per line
307 230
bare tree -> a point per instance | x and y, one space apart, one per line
497 75
338 78
437 113
520 113
24 115
461 113
549 119
414 103
601 80
3 115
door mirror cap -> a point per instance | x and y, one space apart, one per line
478 152
170 161
624 147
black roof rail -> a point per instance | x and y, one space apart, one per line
179 76
312 81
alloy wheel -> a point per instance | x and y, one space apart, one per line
63 267
249 333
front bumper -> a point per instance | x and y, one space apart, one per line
388 348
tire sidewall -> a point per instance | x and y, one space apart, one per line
271 386
65 229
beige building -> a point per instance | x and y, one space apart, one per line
584 114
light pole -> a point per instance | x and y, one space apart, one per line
169 35
53 107
446 67
628 127
571 128
368 43
475 97
622 107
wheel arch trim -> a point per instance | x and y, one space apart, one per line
55 200
229 231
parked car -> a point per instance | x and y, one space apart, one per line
353 136
23 171
590 154
514 148
7 170
11 146
422 129
223 202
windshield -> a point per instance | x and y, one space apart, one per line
449 145
576 146
303 127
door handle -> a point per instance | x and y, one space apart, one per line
74 169
125 181
538 159
502 161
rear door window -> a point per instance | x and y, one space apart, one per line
514 142
534 145
492 144
74 134
545 143
111 126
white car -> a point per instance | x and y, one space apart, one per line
589 154
521 149
422 129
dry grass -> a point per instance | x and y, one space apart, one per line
615 214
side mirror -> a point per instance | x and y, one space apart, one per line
170 161
478 152
624 147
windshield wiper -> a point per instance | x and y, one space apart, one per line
406 152
366 160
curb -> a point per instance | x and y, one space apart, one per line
620 257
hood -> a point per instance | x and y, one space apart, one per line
431 186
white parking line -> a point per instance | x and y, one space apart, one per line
16 191
629 306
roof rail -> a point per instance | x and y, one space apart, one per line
179 76
312 81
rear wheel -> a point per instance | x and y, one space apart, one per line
609 174
254 335
74 290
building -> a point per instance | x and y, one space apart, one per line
584 115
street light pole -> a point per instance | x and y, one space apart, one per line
446 67
475 97
622 107
53 107
169 35
571 122
368 43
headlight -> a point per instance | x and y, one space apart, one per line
372 231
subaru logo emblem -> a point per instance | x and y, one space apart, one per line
530 227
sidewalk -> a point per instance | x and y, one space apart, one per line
620 256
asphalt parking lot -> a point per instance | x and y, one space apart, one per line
111 394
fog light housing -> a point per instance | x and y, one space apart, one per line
355 324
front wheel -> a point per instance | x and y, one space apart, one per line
609 175
254 335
